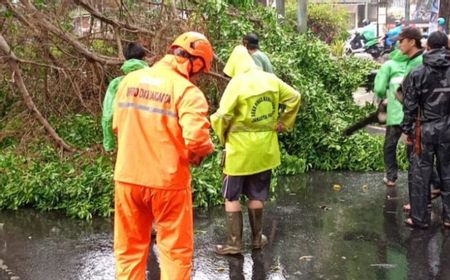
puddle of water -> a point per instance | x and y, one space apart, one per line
320 226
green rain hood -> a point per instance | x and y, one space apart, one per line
247 118
108 103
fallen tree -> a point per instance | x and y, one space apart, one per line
66 52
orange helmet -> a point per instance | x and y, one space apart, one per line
196 45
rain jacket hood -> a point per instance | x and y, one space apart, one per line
240 61
133 65
177 63
387 81
437 58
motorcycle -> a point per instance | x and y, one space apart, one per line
357 44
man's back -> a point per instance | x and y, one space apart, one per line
155 118
250 104
369 32
262 61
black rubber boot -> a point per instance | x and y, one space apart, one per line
234 239
255 216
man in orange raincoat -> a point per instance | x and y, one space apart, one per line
161 122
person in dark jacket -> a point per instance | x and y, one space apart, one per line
427 125
410 44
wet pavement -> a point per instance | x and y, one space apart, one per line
320 226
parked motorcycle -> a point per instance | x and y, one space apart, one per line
358 44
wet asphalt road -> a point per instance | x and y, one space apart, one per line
320 226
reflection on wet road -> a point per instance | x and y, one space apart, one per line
320 226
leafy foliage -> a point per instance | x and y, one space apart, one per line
328 21
338 48
80 186
239 3
81 183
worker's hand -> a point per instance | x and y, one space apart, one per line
195 160
280 127
399 94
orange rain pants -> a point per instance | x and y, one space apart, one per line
136 207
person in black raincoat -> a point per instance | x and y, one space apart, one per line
427 125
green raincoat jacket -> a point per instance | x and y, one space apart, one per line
369 32
388 80
248 116
108 103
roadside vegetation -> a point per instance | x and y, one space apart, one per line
66 77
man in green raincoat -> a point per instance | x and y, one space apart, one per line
247 123
133 54
387 81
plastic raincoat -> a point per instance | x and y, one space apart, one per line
392 35
161 122
108 103
369 32
169 113
388 80
427 98
247 119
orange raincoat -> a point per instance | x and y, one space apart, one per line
160 119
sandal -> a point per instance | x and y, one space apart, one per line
388 183
446 224
409 222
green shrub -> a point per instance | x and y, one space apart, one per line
337 48
81 131
81 184
328 21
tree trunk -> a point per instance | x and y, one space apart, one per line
262 2
17 77
281 7
302 16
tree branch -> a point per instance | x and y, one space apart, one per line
26 96
112 22
119 43
217 75
38 64
38 22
